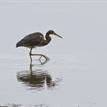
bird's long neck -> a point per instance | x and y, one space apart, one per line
47 39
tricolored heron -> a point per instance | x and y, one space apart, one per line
36 40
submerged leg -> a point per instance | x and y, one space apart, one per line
30 60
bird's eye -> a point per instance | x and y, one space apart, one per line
52 32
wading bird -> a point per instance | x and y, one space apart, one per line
36 40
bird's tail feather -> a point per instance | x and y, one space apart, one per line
18 44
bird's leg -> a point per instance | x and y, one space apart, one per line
30 60
41 55
30 53
36 54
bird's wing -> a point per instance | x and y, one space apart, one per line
32 40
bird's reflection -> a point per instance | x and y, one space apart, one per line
36 79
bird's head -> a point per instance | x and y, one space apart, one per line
51 32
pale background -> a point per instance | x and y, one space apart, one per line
80 58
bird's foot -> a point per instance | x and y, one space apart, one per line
46 58
43 62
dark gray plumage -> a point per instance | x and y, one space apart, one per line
31 40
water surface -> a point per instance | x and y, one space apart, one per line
64 80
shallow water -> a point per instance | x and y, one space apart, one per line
64 80
75 75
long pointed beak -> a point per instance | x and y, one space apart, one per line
58 35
